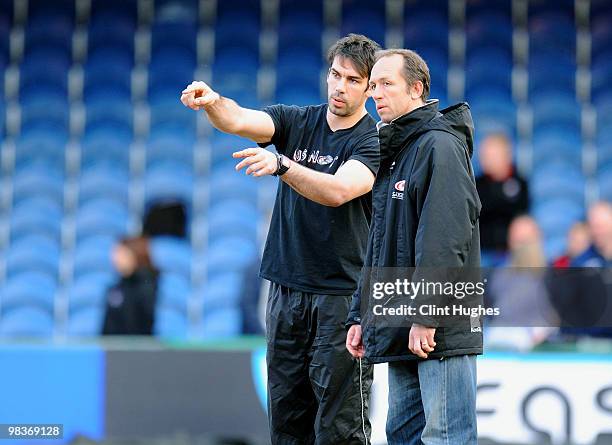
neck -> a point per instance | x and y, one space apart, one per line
336 122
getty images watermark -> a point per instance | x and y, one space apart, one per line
510 297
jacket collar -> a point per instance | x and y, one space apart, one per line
394 135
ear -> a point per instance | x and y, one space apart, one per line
416 90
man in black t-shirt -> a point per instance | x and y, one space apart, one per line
327 158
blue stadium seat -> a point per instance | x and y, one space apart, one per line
86 322
492 28
172 255
364 17
101 216
108 70
89 291
423 28
221 323
54 77
300 30
29 289
36 253
481 73
557 143
237 27
556 108
171 70
604 182
49 31
227 184
493 110
553 30
604 145
111 31
227 78
93 255
543 79
104 182
166 109
170 323
43 146
26 322
111 9
230 254
557 180
222 290
106 144
166 37
38 181
555 217
173 293
169 181
36 215
52 110
224 144
601 70
233 218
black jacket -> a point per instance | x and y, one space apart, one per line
130 305
434 223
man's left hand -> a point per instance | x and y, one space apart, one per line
260 161
421 340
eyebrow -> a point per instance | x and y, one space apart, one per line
348 77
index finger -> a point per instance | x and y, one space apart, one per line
245 153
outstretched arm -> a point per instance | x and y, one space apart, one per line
226 115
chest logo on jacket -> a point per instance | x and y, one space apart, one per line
314 158
398 193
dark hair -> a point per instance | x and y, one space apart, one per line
139 246
358 49
415 68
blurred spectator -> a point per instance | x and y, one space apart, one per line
503 193
599 254
130 306
578 241
519 291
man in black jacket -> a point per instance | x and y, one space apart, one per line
425 215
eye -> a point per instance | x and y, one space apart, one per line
387 83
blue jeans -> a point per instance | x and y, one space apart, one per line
432 402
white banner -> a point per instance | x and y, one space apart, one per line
568 396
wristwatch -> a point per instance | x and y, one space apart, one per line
283 165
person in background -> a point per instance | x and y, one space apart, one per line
519 291
130 305
599 254
578 241
503 193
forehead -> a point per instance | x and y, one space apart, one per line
388 66
345 67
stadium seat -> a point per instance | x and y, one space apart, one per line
26 322
106 144
86 322
170 323
104 182
89 291
173 293
221 323
36 253
29 289
364 17
172 255
169 181
38 181
36 215
557 181
230 254
101 216
93 255
41 147
552 143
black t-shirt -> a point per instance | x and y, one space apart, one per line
312 247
